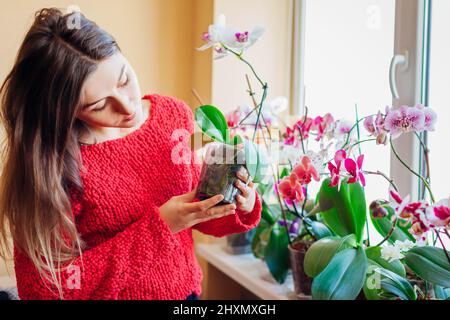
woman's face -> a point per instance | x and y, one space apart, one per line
111 96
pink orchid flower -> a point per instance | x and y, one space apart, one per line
430 117
305 170
289 137
322 124
439 214
414 213
304 127
291 190
403 120
376 128
335 170
354 169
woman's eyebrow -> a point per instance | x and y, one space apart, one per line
118 80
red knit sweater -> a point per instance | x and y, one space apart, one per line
132 254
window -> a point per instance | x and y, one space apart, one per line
348 49
438 88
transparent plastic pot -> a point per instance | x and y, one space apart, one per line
218 175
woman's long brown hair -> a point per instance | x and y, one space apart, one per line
40 101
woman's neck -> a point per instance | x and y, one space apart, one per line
101 134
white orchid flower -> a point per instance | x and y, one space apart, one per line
391 253
215 34
404 246
219 35
235 39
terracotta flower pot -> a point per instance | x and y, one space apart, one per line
218 173
297 252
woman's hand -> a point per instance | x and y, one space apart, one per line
181 213
246 201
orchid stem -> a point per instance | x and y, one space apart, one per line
303 219
352 128
427 185
379 173
300 128
394 224
443 246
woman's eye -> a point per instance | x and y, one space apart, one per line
125 83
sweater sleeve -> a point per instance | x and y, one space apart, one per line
102 271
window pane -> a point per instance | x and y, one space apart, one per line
348 48
438 97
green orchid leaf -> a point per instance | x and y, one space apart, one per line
261 239
372 285
374 254
441 293
237 140
322 251
263 164
430 264
251 158
357 198
346 212
384 225
277 254
396 285
343 277
320 230
213 123
266 214
284 173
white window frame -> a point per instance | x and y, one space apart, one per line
410 26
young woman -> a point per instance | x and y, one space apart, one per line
90 193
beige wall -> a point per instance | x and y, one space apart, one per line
270 56
156 36
159 38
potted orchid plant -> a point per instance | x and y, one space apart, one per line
230 151
405 264
321 237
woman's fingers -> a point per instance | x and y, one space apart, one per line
240 199
244 189
216 212
203 205
243 175
216 216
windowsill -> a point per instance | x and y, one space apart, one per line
249 272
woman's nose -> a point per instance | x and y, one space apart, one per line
125 106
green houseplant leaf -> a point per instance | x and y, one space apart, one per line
381 283
322 251
320 230
277 253
251 158
429 263
261 239
343 277
267 215
374 254
396 285
384 225
441 292
212 122
347 214
262 164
